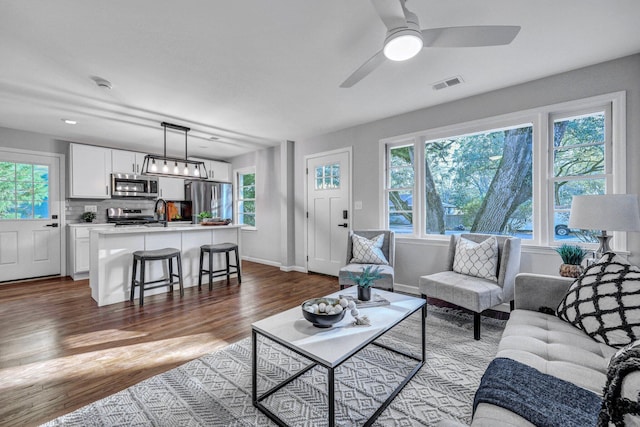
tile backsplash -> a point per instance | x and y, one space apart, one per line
75 207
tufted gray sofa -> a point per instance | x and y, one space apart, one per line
550 345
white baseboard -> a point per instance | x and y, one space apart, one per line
285 268
291 268
261 261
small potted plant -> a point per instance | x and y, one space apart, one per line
88 216
204 216
572 257
365 280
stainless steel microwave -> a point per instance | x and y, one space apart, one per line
130 185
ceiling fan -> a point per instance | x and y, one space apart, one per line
405 38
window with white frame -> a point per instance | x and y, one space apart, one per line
512 175
24 190
246 197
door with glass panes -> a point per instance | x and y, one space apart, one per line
30 235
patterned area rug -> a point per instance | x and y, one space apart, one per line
215 390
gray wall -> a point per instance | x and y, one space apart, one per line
263 244
12 138
418 257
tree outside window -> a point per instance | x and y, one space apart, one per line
484 182
24 191
247 198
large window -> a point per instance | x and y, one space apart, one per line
24 191
246 200
513 175
579 167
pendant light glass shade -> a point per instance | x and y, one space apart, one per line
193 169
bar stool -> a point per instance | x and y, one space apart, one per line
167 254
218 249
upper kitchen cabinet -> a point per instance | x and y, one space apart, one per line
89 172
216 170
126 161
171 188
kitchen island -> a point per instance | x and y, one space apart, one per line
111 256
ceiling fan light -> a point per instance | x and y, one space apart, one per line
403 45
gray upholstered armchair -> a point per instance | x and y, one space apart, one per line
355 266
476 293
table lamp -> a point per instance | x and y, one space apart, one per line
612 212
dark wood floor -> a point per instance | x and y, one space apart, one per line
60 351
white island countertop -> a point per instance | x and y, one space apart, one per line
111 256
161 229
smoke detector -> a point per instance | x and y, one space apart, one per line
451 81
102 83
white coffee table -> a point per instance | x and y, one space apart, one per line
332 347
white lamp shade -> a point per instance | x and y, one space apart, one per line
608 212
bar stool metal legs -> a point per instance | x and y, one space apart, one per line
143 257
229 268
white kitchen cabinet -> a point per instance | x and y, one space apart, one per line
126 161
220 171
171 188
89 172
216 170
78 246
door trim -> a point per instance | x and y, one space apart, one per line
62 192
308 157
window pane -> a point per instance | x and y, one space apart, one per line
24 189
480 183
565 190
7 171
586 160
24 172
249 192
401 211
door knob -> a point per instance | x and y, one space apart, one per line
54 225
345 225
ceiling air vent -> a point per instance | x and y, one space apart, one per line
452 81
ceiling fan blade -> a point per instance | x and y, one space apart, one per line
472 36
391 12
364 70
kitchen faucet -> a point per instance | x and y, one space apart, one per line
164 211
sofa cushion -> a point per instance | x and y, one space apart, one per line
555 347
605 301
368 251
477 259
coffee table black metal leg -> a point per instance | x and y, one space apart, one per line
332 398
424 317
254 367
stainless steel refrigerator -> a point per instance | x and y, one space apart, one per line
213 197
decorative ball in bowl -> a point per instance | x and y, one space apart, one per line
323 312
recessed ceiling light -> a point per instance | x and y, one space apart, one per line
69 122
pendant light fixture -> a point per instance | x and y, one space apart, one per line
171 166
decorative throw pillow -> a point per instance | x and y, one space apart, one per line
605 301
367 251
477 259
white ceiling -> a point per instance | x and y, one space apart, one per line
255 72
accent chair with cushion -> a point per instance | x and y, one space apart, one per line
369 247
481 271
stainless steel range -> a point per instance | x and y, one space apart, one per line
124 216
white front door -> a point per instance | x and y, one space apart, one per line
30 235
328 216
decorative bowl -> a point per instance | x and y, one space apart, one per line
322 320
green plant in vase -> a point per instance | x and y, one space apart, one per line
572 257
365 280
88 216
204 216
